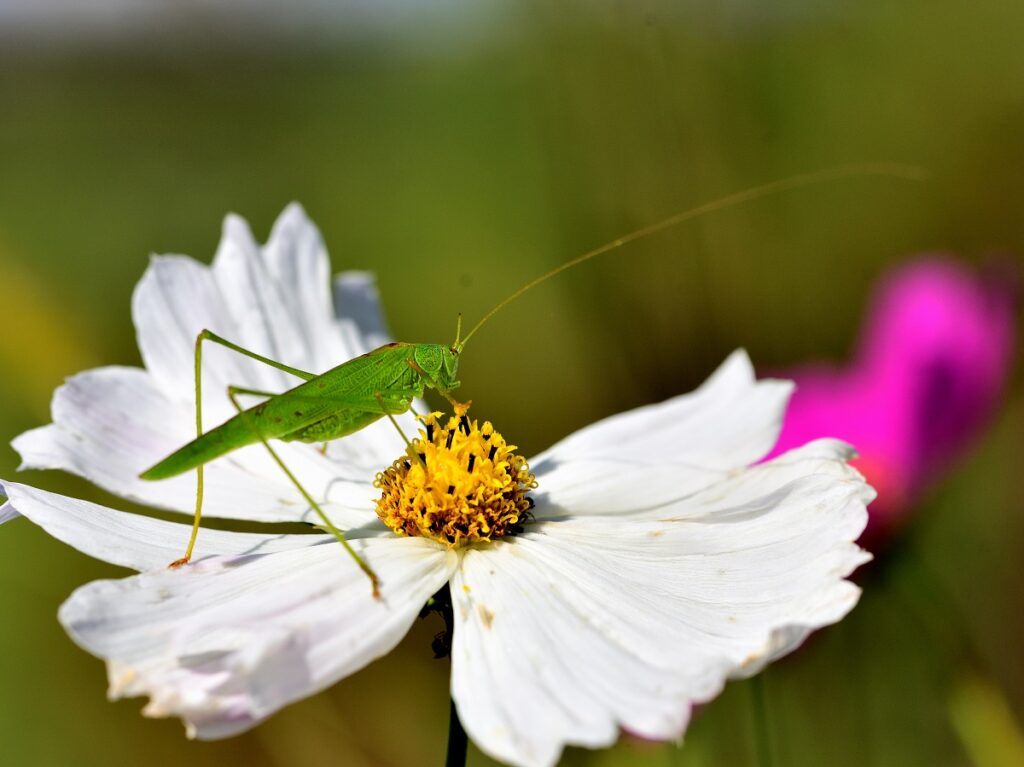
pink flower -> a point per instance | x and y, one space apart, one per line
931 364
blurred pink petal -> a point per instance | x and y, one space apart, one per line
932 360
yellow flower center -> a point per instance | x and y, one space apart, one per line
465 483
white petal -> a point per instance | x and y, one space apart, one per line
357 306
659 453
132 540
275 301
227 642
175 299
279 297
826 458
363 329
583 626
7 513
112 423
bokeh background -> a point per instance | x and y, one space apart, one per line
457 151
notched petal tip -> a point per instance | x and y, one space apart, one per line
295 211
740 359
293 223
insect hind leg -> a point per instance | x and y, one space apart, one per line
209 335
325 520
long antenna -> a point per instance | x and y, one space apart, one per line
891 170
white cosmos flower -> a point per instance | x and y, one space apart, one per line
662 558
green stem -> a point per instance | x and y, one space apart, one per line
457 743
441 603
762 733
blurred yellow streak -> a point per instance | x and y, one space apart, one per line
983 719
44 340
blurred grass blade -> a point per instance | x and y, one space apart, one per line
985 723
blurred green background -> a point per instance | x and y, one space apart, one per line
460 157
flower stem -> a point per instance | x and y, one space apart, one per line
441 603
457 742
762 735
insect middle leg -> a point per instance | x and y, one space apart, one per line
408 444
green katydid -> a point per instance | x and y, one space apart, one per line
337 403
385 381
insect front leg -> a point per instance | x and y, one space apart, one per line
432 383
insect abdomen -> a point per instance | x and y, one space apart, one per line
230 435
334 426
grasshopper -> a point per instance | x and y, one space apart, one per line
384 382
324 407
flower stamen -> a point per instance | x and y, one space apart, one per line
454 495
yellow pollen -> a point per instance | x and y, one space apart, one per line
464 484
